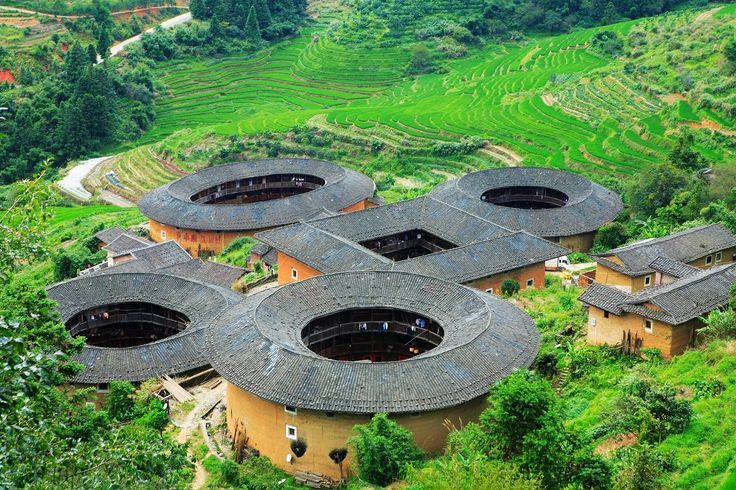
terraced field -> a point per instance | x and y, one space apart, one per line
551 101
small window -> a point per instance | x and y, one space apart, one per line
648 280
102 388
291 432
708 260
330 415
719 256
163 234
605 314
648 327
294 274
290 410
529 283
489 290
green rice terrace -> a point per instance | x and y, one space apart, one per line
550 101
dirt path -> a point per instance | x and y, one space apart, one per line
115 200
200 474
548 99
503 154
706 15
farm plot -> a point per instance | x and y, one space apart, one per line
553 101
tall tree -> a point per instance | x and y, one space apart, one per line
215 30
252 31
198 10
91 54
263 13
74 63
104 41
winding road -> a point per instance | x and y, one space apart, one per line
167 24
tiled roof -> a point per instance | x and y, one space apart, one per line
484 248
200 302
151 258
110 234
171 204
257 345
589 206
676 302
223 275
685 246
125 243
671 267
483 259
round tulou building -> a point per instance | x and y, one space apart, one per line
206 210
560 206
307 361
138 325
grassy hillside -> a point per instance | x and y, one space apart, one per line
590 379
554 101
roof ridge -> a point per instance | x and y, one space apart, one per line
351 244
666 238
648 293
428 196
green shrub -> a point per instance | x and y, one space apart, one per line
119 402
718 325
510 287
474 471
383 450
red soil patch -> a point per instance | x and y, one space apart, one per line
616 442
6 76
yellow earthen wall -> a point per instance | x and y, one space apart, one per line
287 263
265 424
578 243
670 340
522 275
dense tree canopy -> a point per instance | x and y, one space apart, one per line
50 437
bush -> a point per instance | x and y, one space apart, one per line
610 236
651 410
718 325
119 402
383 450
510 287
474 471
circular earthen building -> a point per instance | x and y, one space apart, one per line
307 361
206 210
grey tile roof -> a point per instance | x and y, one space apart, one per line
684 246
125 243
200 302
331 244
171 204
257 345
677 302
671 267
590 205
268 254
223 275
483 259
110 234
151 258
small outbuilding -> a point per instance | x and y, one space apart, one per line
656 261
307 361
207 210
665 317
